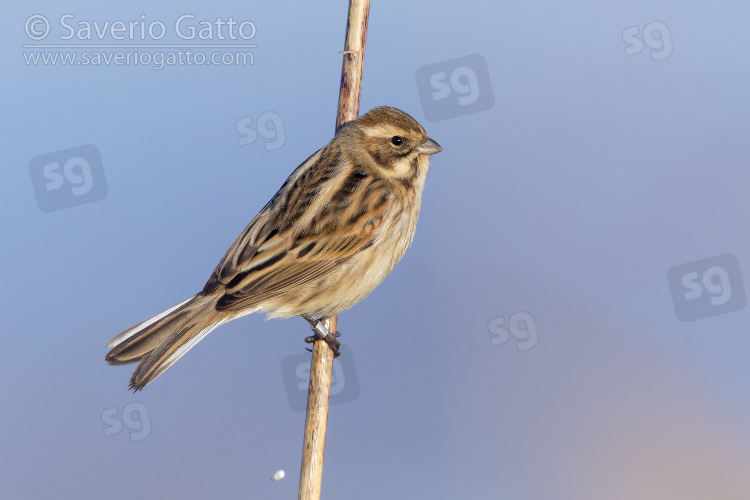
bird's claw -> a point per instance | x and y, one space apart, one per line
322 333
330 338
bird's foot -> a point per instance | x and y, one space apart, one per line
322 333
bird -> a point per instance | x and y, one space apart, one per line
334 230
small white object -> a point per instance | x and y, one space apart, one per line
278 476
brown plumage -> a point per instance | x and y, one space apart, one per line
330 235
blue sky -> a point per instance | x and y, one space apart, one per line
528 344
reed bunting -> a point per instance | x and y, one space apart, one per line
330 235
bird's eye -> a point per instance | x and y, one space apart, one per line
397 140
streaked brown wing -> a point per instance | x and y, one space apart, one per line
320 218
263 231
280 270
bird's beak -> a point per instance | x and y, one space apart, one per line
429 147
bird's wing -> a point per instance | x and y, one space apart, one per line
321 217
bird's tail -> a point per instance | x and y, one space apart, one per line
160 341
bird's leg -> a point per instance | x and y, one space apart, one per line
322 333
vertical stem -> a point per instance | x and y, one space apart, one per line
354 61
321 369
316 420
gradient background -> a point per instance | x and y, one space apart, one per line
592 175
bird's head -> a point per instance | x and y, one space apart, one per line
395 144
